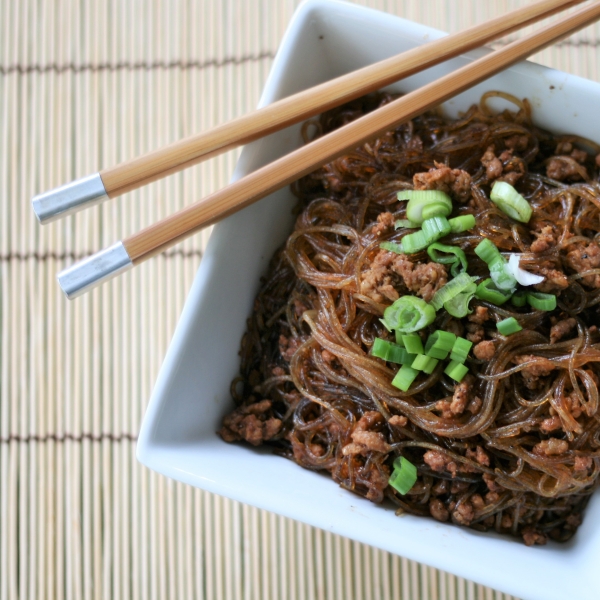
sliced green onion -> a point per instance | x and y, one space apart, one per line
435 227
519 298
497 264
488 291
414 242
510 202
413 343
454 287
508 326
422 361
456 370
406 223
424 204
460 350
404 377
408 314
459 305
487 251
392 247
462 223
404 476
431 365
389 351
439 344
501 275
454 256
399 339
541 301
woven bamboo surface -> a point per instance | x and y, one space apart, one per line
84 85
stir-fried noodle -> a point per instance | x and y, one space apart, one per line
515 447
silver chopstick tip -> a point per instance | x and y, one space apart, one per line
69 198
94 270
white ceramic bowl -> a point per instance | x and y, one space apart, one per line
327 38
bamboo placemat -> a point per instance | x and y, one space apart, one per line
84 85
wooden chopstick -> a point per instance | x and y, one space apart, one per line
262 182
132 174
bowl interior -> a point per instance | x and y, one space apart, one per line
192 393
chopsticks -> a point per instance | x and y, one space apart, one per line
132 174
262 182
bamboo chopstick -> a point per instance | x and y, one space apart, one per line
135 173
262 182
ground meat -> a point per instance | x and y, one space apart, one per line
398 421
385 221
455 182
555 281
513 167
388 269
438 511
579 155
531 537
479 455
365 441
250 423
476 333
480 315
424 279
475 405
490 481
370 419
583 463
558 331
492 164
484 350
531 374
550 424
288 346
551 447
565 167
597 160
460 397
372 441
585 258
378 481
545 240
463 514
438 461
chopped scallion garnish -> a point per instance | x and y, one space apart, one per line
459 305
510 202
414 242
439 344
508 326
462 223
435 228
406 224
408 314
460 350
448 255
392 247
424 204
404 475
519 299
455 286
391 352
497 264
413 343
456 370
541 301
422 362
404 377
488 291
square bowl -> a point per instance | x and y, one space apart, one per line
327 38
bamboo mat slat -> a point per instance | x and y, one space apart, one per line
84 85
